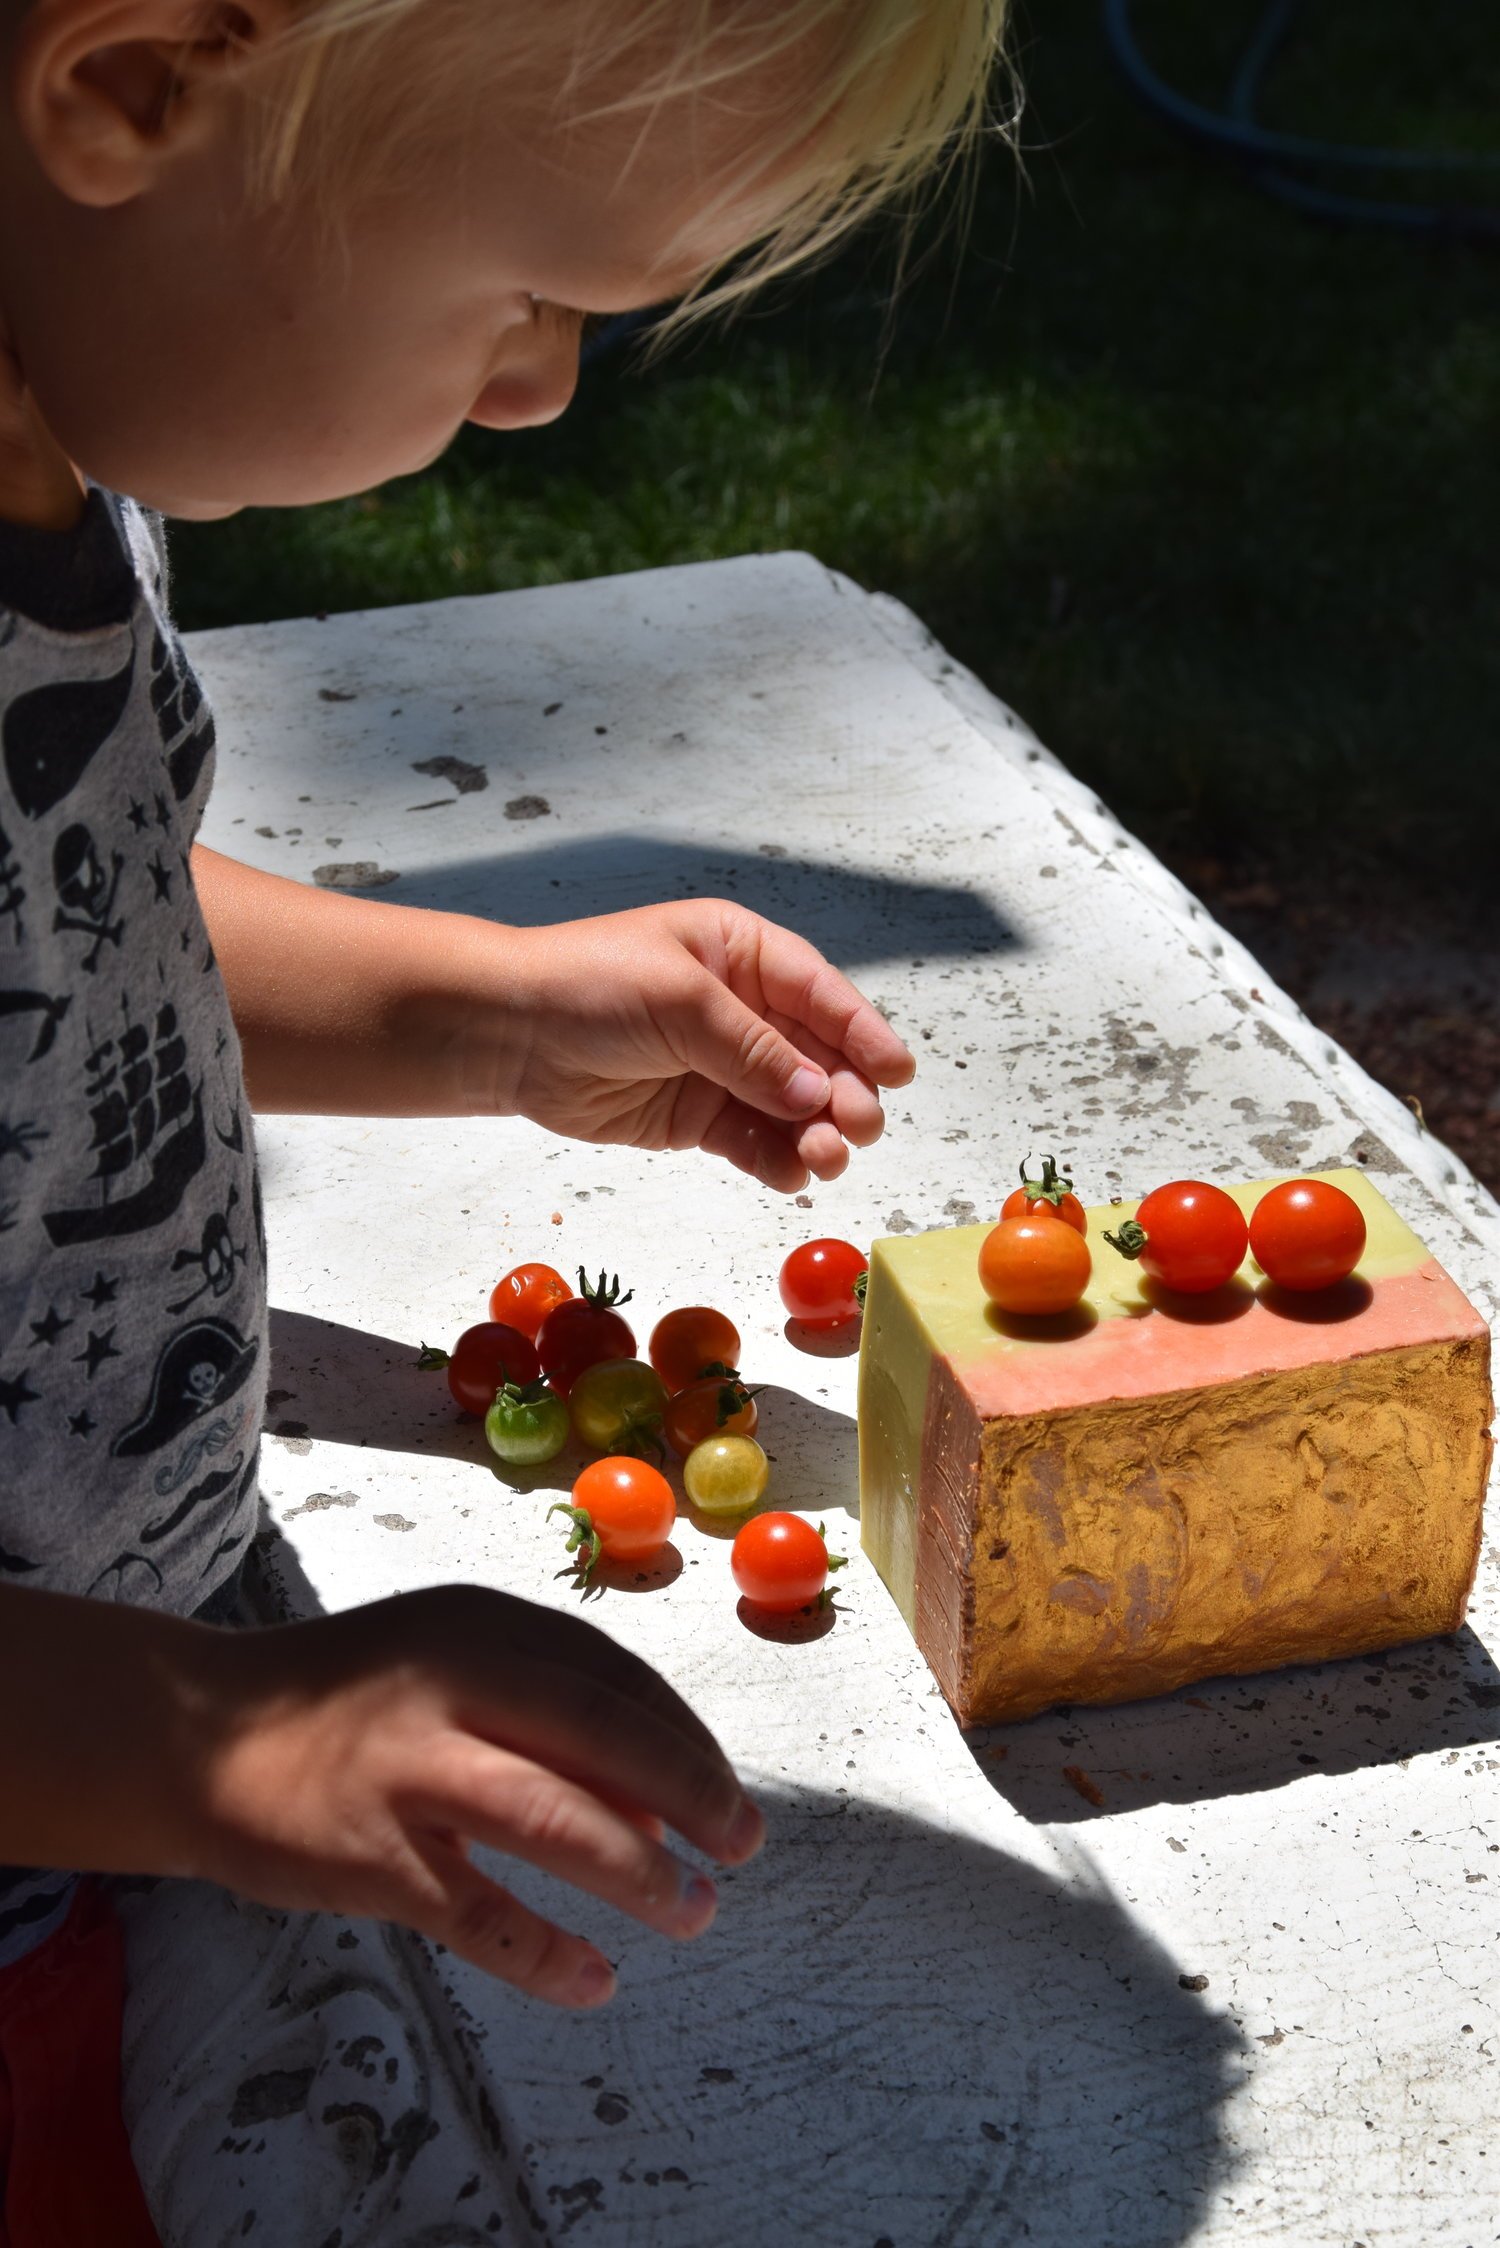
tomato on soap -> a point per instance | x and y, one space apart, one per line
584 1329
690 1342
823 1283
1189 1236
1034 1266
1307 1234
1035 1197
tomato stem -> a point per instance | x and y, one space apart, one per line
605 1294
525 1393
1130 1240
1050 1187
861 1283
430 1359
583 1539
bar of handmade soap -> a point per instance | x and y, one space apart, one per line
1156 1490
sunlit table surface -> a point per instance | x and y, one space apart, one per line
1252 1995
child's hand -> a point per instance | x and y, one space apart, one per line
352 1760
695 1024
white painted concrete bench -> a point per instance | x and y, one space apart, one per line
1254 1996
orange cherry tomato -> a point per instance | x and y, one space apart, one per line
1034 1266
686 1343
1051 1192
718 1405
621 1508
1307 1234
524 1296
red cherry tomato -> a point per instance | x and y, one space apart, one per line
1307 1234
484 1359
780 1562
583 1330
621 1508
525 1295
716 1406
822 1283
686 1343
1189 1236
1034 1266
1035 1197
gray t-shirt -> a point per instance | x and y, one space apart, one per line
132 1266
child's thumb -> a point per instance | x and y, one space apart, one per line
733 1046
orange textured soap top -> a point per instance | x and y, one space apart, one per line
1130 1339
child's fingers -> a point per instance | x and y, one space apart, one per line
733 1046
490 1928
853 1104
800 985
516 1806
756 1145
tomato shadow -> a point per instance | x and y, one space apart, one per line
797 1630
1325 1307
1214 1309
813 1451
824 1342
1042 1327
659 1570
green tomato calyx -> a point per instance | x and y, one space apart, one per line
733 1396
524 1393
862 1282
1130 1240
1050 1187
835 1561
430 1359
583 1538
605 1294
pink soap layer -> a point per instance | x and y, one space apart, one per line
1164 1349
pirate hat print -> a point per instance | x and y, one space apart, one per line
202 1366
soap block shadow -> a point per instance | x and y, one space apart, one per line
1240 1736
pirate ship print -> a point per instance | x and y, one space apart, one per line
148 1140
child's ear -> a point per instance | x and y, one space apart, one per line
108 93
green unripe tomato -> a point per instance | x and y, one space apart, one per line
726 1474
526 1425
617 1405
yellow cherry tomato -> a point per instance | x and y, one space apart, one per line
726 1475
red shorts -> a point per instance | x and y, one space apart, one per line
66 2176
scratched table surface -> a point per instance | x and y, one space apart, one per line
1251 1994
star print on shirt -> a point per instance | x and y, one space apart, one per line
47 1330
82 1423
161 879
19 1139
15 1394
138 816
101 1292
96 1350
163 816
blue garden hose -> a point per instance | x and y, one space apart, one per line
1236 132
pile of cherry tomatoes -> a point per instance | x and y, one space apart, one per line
549 1364
1189 1237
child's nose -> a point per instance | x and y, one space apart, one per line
534 379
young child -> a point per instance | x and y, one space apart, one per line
255 253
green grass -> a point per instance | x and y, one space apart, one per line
1207 491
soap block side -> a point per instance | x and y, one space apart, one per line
895 1360
1125 1549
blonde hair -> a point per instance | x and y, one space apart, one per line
892 95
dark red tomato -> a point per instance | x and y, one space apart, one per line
582 1331
718 1405
1307 1234
484 1359
525 1295
686 1343
781 1563
822 1283
1189 1236
1035 1197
